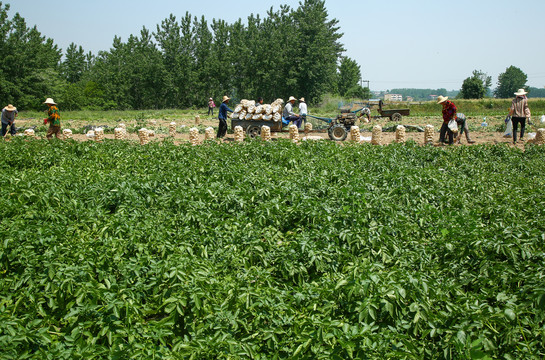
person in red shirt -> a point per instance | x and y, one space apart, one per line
449 113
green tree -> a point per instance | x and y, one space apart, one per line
510 81
349 75
476 86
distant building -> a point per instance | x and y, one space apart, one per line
393 97
433 97
410 99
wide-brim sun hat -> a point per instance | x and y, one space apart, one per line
302 99
210 99
10 108
521 92
441 99
292 99
50 101
225 98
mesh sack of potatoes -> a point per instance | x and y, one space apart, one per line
376 135
172 129
294 133
239 134
540 137
257 117
123 126
209 133
259 109
277 117
143 135
99 134
29 133
242 115
308 128
428 134
355 134
400 134
67 134
234 115
249 116
238 108
268 109
251 109
276 108
119 133
265 133
278 102
194 136
267 117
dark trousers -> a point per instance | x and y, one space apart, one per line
210 111
515 121
446 131
296 120
222 128
12 129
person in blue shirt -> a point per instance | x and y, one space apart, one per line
222 128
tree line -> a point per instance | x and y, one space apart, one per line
183 62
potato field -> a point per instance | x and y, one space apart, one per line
275 250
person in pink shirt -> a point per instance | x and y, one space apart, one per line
211 106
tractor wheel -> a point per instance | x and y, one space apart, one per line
253 131
337 132
396 117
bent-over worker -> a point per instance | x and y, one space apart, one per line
9 113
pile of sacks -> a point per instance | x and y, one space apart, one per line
294 133
266 133
239 134
248 110
428 134
400 134
376 135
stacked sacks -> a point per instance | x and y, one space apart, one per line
540 137
265 133
66 133
90 134
239 134
29 133
376 135
119 133
194 136
308 128
248 110
99 134
428 134
143 135
294 133
355 134
400 134
209 133
172 129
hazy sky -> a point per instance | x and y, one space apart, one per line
397 43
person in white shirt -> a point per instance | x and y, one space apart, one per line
303 111
288 113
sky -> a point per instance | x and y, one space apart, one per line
397 43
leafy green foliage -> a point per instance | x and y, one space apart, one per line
270 251
476 86
509 82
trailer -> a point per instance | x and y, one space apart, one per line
394 114
253 127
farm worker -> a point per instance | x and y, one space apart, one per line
288 113
259 100
54 119
519 111
303 111
449 113
222 128
211 106
461 121
367 112
9 113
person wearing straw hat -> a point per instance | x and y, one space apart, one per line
289 114
222 117
449 113
519 111
211 106
9 113
303 111
54 119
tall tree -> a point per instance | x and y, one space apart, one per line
75 63
476 86
510 81
349 75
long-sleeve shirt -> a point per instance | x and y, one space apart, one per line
303 108
223 111
8 117
54 115
449 111
519 107
288 111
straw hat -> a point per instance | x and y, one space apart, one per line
521 92
302 99
441 99
292 99
210 99
50 101
225 98
10 108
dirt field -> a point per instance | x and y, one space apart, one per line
183 125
